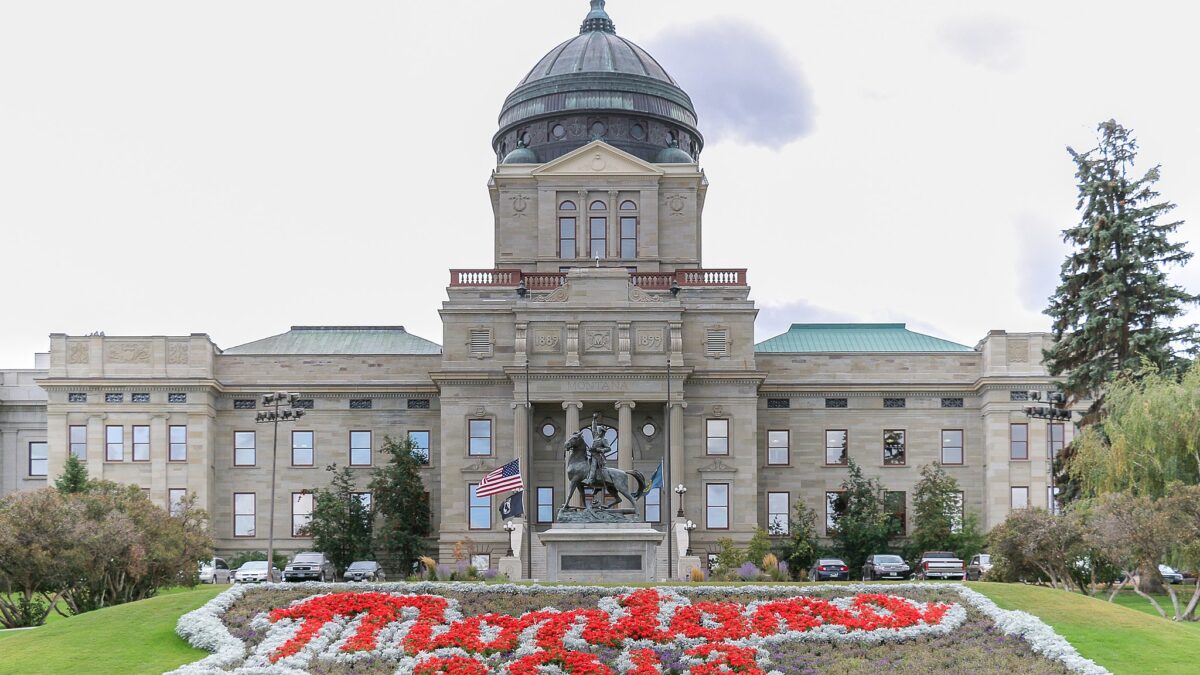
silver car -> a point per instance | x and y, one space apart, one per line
1169 575
979 566
215 571
255 572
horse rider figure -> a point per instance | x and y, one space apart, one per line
598 450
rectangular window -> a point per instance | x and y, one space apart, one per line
957 512
141 444
654 505
777 513
365 499
175 497
1053 494
243 514
176 398
897 511
545 505
1020 498
243 448
420 445
952 403
1018 441
566 238
836 447
480 510
778 452
480 438
833 509
952 446
599 238
360 448
79 442
718 436
895 403
628 237
302 508
178 434
303 453
361 404
1057 436
114 444
837 403
39 458
716 506
894 453
779 403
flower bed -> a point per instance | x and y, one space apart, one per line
704 630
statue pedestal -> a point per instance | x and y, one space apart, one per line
510 567
601 552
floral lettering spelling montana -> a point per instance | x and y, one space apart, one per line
428 633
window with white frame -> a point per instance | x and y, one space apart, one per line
480 438
114 443
545 505
303 453
302 508
243 514
178 438
716 506
78 436
777 513
39 458
141 444
717 432
244 448
360 448
778 452
654 505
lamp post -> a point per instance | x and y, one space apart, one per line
688 527
281 408
510 528
1055 412
680 490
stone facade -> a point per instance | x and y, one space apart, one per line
597 302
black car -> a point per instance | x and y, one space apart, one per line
829 569
364 570
885 566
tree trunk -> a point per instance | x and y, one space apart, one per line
1190 613
1137 588
1149 580
1113 596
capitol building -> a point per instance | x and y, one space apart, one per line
598 303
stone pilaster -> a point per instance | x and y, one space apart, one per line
625 434
572 408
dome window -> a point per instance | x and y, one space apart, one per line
559 131
638 132
526 138
599 129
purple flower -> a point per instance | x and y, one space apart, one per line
748 571
489 573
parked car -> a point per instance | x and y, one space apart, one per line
310 567
254 572
1169 575
979 566
829 569
215 571
885 566
940 565
364 570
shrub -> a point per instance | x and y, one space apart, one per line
697 575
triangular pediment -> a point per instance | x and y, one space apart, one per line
598 159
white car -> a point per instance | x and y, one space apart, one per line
1169 575
255 571
216 571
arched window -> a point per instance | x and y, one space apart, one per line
628 206
599 206
566 206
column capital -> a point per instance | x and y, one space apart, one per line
625 404
521 404
678 404
567 405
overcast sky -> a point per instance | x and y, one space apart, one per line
237 167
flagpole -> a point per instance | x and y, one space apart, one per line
529 474
666 486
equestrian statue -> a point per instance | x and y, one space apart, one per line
586 468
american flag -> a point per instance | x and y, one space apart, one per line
505 479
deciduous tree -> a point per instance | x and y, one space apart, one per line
863 525
341 523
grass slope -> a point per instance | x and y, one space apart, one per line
1122 639
134 638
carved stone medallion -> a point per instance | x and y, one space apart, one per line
177 353
77 353
128 352
598 340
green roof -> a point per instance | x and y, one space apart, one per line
328 340
854 337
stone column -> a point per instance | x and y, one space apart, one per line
613 232
159 451
625 434
521 441
677 461
573 408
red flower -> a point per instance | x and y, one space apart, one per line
452 665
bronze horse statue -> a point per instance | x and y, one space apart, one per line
613 482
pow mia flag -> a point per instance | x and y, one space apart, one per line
512 507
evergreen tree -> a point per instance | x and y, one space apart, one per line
802 548
341 520
1113 307
402 505
74 478
863 524
940 519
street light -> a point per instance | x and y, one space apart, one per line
1055 412
680 490
273 416
510 528
688 527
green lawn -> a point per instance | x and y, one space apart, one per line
1122 639
134 638
140 638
